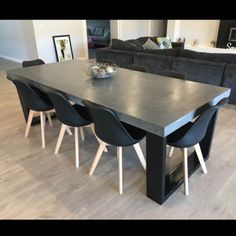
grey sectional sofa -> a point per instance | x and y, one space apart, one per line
210 68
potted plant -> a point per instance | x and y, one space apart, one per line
213 43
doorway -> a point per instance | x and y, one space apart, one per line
98 33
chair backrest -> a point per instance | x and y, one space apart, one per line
138 68
30 97
107 125
40 92
199 128
174 74
32 63
65 112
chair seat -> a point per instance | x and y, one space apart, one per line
174 138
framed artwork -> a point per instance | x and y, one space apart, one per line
63 47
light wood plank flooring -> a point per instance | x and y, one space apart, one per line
36 183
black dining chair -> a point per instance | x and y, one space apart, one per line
33 63
114 132
35 103
138 68
40 92
69 115
190 135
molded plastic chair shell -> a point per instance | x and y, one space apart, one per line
71 115
32 99
32 63
193 132
110 129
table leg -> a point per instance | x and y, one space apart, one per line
156 167
161 184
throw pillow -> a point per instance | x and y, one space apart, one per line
135 42
164 43
123 45
149 44
142 40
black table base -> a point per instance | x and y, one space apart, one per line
159 184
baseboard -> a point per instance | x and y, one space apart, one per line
82 58
11 58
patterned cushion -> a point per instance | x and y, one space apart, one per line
149 44
164 43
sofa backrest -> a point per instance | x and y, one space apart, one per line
229 81
122 58
215 57
200 70
99 31
154 63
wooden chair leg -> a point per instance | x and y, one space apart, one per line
42 128
68 130
60 137
119 156
29 121
97 157
98 139
77 147
140 155
81 133
185 154
49 119
200 158
171 152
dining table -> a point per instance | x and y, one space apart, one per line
157 104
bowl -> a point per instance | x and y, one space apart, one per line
102 70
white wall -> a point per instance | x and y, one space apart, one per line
17 41
203 30
45 29
131 29
173 29
114 29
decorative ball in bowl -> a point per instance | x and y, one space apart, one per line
102 70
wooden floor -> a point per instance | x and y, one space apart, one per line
36 183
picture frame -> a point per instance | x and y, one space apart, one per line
63 48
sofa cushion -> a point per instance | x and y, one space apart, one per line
135 42
98 31
124 45
122 58
149 44
164 42
199 70
216 57
91 30
154 63
99 38
106 32
229 81
142 40
168 52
